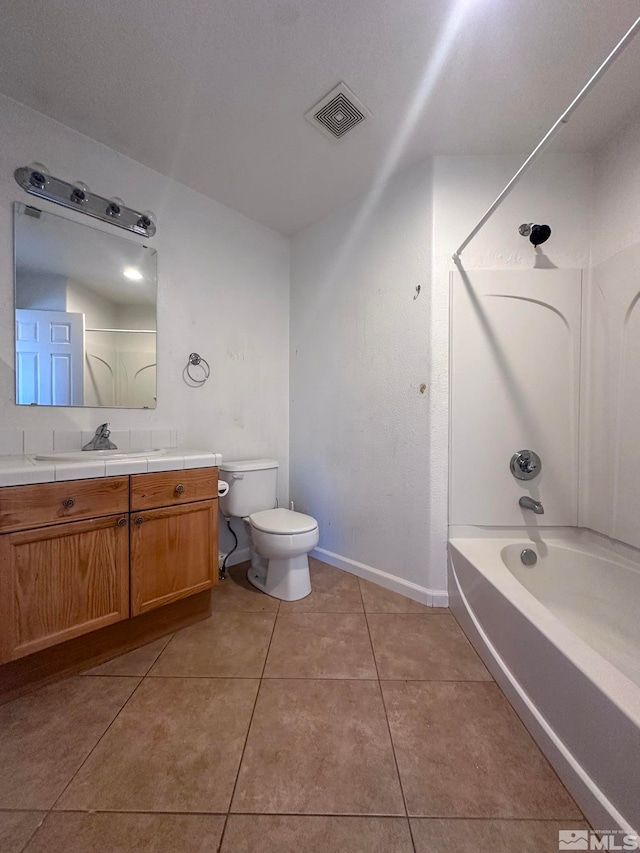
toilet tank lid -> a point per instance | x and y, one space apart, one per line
283 521
248 465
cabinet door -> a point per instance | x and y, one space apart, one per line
62 581
173 553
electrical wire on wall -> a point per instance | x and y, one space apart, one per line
223 569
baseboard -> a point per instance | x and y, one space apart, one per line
431 597
239 556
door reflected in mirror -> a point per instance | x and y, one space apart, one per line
85 305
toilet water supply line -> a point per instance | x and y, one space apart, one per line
631 33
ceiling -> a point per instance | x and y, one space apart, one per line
213 94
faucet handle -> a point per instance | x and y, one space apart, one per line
525 465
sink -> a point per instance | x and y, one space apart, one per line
88 455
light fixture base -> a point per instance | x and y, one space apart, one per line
66 194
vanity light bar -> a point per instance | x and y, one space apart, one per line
76 196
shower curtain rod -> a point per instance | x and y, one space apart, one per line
631 33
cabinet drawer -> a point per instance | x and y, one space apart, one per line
24 507
171 488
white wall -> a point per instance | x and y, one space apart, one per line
370 452
359 358
41 291
610 489
223 291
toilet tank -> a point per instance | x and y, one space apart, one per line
252 486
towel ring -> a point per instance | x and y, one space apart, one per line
196 360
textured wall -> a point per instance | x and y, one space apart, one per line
369 452
360 380
223 291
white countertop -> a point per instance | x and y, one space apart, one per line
22 470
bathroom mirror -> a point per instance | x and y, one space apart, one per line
85 315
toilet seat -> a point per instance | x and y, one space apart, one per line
283 522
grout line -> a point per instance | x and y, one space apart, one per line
28 841
384 815
226 814
386 717
93 748
244 746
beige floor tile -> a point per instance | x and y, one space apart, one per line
137 662
463 752
318 747
45 736
227 645
73 832
16 828
320 645
414 646
294 834
175 747
489 836
332 591
236 593
377 599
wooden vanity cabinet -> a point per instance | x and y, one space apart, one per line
78 556
60 578
174 536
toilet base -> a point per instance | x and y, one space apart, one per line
287 580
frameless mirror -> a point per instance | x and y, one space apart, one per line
85 315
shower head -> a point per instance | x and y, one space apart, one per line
536 233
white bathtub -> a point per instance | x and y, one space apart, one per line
562 638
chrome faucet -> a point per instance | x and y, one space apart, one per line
529 503
100 440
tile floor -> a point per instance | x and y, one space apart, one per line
354 721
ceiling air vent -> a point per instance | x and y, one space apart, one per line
338 112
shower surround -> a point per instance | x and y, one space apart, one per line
544 360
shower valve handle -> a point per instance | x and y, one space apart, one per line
525 465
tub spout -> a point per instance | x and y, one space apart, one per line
529 503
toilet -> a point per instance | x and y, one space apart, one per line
280 539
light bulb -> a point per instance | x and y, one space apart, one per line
114 208
38 175
146 220
80 192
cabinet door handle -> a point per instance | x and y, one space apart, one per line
122 522
68 503
139 520
179 489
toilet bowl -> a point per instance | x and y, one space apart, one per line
280 539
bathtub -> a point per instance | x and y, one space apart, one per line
562 638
